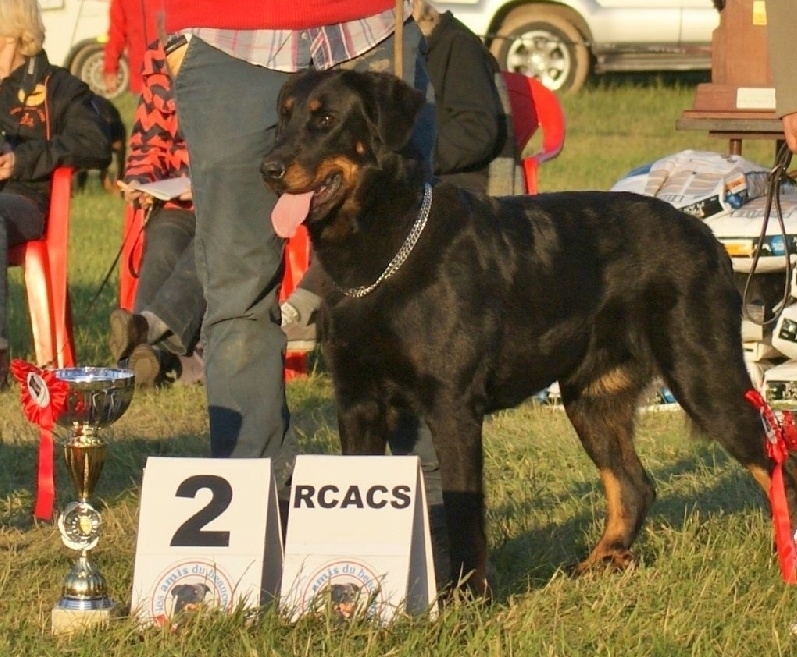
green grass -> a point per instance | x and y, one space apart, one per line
706 583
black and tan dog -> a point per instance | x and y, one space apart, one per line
473 304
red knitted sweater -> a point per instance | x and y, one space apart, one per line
268 14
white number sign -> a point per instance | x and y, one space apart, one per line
208 535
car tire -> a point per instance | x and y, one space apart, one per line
87 65
544 44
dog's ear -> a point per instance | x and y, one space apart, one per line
398 105
283 103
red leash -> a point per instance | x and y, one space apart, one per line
781 438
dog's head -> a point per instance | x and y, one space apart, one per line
335 127
188 597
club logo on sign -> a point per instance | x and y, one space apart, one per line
188 586
348 586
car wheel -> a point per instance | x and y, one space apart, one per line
87 65
545 45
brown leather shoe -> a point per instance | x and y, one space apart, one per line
146 366
127 332
4 366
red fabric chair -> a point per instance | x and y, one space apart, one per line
297 259
44 263
534 107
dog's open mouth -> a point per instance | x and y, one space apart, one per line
292 209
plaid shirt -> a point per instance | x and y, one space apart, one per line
283 50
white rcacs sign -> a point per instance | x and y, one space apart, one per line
208 535
358 539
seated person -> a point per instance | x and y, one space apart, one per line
470 120
46 120
471 131
161 334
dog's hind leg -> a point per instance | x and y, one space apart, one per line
603 414
710 385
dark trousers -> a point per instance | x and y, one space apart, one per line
168 284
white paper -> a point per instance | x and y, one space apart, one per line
164 190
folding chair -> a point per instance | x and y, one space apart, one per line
44 264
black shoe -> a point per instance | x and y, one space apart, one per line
146 366
127 332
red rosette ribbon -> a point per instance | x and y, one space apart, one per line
43 400
781 438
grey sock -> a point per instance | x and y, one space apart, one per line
305 303
157 328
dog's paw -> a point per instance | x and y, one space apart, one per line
617 560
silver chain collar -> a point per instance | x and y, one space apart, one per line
403 253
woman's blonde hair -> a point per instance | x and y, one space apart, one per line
22 20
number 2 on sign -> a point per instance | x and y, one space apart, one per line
191 532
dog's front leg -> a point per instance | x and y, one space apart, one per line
362 428
458 441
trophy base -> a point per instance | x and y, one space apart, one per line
65 620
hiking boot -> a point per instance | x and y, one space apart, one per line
301 336
145 364
127 332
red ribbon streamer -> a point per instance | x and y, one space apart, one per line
781 437
43 400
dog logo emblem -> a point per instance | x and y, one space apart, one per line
189 586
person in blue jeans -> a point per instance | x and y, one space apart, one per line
226 83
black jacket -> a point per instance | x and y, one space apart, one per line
47 116
469 118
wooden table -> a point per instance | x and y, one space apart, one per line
735 127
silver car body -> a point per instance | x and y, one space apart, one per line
616 35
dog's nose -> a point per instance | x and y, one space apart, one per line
274 169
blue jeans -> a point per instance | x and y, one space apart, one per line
168 285
226 108
21 220
227 111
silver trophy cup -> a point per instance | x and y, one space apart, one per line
97 398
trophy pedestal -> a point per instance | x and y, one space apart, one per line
739 102
66 621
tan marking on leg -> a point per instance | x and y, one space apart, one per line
761 476
607 553
614 381
616 523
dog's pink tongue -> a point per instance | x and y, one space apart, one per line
290 211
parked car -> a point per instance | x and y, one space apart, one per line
76 34
563 42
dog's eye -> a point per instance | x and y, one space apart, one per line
325 120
